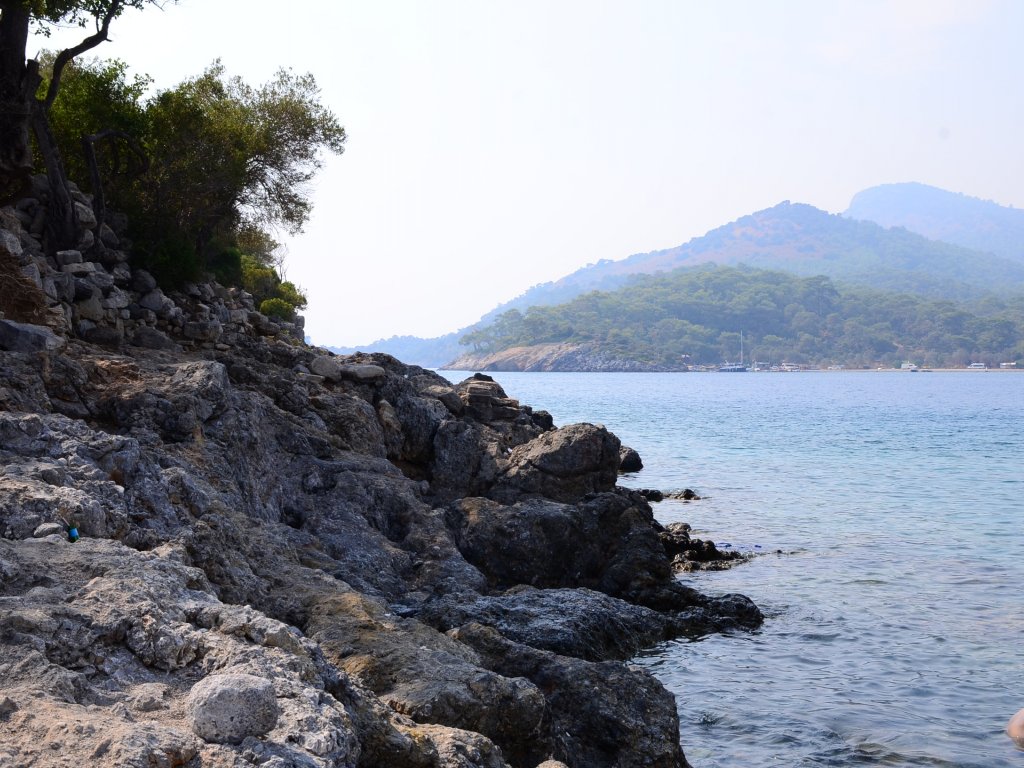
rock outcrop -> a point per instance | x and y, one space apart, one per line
557 356
290 558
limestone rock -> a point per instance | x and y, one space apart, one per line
68 257
603 714
335 369
354 529
202 330
227 708
25 337
86 217
10 242
143 282
151 338
564 464
485 400
47 529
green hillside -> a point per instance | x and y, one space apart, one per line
805 240
697 315
791 237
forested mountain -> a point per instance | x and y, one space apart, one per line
940 215
804 240
791 237
696 315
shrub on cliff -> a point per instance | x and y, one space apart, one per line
278 308
225 159
265 284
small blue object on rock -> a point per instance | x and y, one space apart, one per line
73 534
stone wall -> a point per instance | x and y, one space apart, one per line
93 292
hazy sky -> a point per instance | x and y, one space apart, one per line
496 145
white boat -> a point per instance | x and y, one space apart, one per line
735 367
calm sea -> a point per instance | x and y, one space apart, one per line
885 512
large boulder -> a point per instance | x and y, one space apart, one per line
563 464
600 714
225 709
26 337
607 543
629 460
580 623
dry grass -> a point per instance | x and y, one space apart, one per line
20 298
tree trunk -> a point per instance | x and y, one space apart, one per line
16 97
99 199
61 217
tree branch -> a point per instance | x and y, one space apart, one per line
68 54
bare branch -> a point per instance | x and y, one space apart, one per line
68 54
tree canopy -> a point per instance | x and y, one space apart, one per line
23 111
228 163
696 315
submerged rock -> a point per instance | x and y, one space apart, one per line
629 460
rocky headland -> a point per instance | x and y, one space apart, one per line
556 356
290 558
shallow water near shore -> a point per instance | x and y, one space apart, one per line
884 513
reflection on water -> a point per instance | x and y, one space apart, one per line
894 617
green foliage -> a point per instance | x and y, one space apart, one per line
47 13
225 265
264 283
228 162
171 259
96 95
278 308
290 293
259 280
227 156
697 315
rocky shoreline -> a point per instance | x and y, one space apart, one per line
290 558
561 356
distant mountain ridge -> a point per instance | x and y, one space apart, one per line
805 240
791 237
941 215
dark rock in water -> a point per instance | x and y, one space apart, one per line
543 419
694 554
486 401
579 622
598 713
629 460
685 495
652 494
675 537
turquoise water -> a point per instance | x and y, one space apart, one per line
894 612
